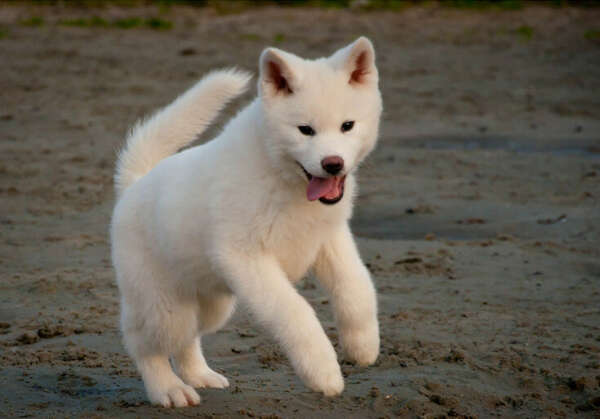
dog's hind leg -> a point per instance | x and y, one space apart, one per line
190 362
193 369
150 348
155 323
162 385
214 310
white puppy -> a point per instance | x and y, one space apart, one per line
245 216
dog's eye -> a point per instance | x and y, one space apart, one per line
306 130
347 126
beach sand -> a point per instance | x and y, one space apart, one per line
478 213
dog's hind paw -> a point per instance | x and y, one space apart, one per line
205 378
180 395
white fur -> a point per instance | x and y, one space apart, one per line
194 231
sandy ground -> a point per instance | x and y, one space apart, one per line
478 216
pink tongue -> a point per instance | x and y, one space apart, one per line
318 187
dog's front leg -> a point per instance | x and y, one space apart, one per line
342 272
263 287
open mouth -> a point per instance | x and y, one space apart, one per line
329 190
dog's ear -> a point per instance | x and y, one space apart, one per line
276 75
358 62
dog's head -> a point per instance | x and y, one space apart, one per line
323 115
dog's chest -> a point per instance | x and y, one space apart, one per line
295 241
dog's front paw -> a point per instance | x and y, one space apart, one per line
328 380
361 345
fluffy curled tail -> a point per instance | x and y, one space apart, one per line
176 125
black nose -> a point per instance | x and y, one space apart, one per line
332 164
